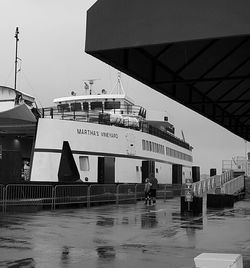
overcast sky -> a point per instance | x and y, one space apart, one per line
53 63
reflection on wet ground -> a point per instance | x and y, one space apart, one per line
129 235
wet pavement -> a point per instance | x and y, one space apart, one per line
129 235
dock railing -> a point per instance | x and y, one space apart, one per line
211 184
102 193
125 193
23 195
30 197
70 194
233 186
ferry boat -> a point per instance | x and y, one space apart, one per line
106 138
97 138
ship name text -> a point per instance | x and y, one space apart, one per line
97 133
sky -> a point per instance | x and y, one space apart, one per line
53 63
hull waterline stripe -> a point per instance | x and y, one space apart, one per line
105 154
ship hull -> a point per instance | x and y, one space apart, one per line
69 151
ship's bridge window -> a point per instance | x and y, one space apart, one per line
85 106
84 163
143 145
63 107
96 105
76 106
108 105
128 108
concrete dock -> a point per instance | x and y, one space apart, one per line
129 235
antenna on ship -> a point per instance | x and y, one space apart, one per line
183 137
16 58
118 88
88 84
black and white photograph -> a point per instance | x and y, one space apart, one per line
124 134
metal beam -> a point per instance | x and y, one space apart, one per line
228 75
224 57
203 50
221 101
210 79
242 94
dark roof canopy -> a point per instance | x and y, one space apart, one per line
195 52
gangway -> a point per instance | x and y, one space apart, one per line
218 191
226 183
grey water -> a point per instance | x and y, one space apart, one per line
129 235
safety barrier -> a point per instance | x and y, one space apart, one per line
33 196
204 186
139 190
70 194
234 186
166 191
125 193
101 193
27 195
209 185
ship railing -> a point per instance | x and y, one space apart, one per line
23 195
233 186
86 114
211 184
167 136
70 194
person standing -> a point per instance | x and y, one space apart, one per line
153 188
26 171
147 192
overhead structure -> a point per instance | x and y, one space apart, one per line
195 52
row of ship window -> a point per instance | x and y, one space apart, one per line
158 148
85 106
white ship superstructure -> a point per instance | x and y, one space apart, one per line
105 138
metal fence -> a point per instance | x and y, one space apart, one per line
23 195
211 184
139 190
234 186
30 197
70 194
102 193
126 193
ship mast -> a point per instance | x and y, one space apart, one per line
16 58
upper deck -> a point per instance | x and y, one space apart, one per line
111 109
